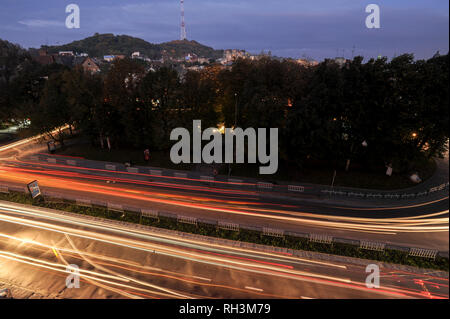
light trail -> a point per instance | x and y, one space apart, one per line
371 225
270 264
222 262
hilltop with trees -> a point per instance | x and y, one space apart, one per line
99 45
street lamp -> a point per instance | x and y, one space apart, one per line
235 125
235 109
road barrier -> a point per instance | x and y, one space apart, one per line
273 232
207 178
4 189
264 185
354 194
51 160
372 245
83 202
227 225
71 162
422 193
235 181
180 175
187 220
385 195
115 207
53 198
133 170
296 188
110 167
321 238
149 213
156 172
422 252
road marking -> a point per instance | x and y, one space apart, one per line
303 297
253 288
202 278
54 251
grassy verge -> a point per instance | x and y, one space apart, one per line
356 177
390 256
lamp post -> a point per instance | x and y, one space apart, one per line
235 124
235 109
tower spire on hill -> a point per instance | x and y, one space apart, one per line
183 24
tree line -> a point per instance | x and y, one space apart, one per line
375 113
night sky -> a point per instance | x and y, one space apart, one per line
295 28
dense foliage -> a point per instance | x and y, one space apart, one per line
372 113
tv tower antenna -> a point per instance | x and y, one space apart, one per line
183 24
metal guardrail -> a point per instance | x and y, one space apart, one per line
4 189
187 220
422 252
149 213
264 185
227 225
372 245
273 232
385 195
320 238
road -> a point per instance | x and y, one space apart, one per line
419 223
120 262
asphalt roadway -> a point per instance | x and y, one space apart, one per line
117 263
422 222
37 245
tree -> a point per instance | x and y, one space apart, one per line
121 97
160 96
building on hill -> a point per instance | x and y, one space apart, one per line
231 55
191 57
306 62
44 58
109 58
88 65
66 53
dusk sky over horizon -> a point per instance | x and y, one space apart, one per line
295 28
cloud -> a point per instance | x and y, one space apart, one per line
36 23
